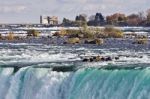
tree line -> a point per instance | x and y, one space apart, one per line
116 19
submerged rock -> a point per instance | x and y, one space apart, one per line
85 60
94 41
97 59
140 41
117 58
73 40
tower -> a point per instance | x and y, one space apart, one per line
41 19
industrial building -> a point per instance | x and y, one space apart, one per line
51 20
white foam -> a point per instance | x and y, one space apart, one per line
44 54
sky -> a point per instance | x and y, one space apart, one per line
29 11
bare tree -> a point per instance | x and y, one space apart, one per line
141 15
148 15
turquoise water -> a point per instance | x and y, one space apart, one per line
89 83
95 80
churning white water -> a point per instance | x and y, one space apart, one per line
87 82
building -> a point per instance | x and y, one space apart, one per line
51 20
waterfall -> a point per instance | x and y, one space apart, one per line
42 83
110 84
5 76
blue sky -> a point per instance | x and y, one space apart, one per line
28 11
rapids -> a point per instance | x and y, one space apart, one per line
126 78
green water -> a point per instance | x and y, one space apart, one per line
89 83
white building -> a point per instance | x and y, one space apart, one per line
52 20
